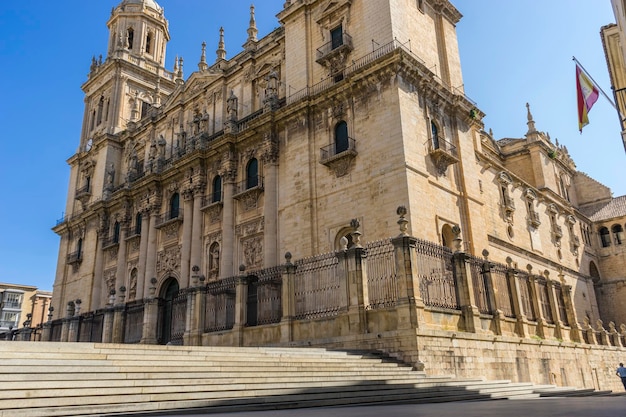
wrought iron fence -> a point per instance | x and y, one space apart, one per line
544 299
179 315
56 328
558 293
219 312
502 289
133 325
525 295
319 287
269 296
382 277
90 327
435 270
479 285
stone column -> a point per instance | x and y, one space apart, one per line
558 329
227 268
96 293
287 300
193 316
185 252
196 234
118 316
151 256
498 315
358 297
143 253
46 334
120 273
463 275
241 300
572 319
150 315
270 209
107 325
65 329
534 298
410 306
521 327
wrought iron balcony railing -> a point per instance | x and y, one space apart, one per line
83 191
249 184
170 216
330 152
74 257
329 49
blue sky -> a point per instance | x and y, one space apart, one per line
512 52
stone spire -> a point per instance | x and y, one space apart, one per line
221 51
202 65
252 30
531 122
178 71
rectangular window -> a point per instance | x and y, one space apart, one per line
336 36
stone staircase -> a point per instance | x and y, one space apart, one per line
49 379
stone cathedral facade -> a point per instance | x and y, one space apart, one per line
346 121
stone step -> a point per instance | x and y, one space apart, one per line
51 379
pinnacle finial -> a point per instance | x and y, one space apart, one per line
252 30
202 65
531 122
221 51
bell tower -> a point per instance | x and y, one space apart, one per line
132 78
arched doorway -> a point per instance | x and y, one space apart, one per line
169 292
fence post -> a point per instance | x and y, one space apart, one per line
471 315
117 325
358 298
410 303
572 319
556 318
516 294
241 304
534 298
288 301
46 334
150 316
498 315
193 330
65 329
614 336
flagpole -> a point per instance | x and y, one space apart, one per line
619 113
599 88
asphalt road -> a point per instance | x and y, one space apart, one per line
548 407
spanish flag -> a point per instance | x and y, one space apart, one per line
587 94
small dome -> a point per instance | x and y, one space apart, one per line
148 3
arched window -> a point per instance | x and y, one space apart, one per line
130 36
252 174
593 272
100 110
618 234
341 137
116 232
174 205
217 189
138 220
79 247
93 120
605 237
447 236
149 43
434 131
